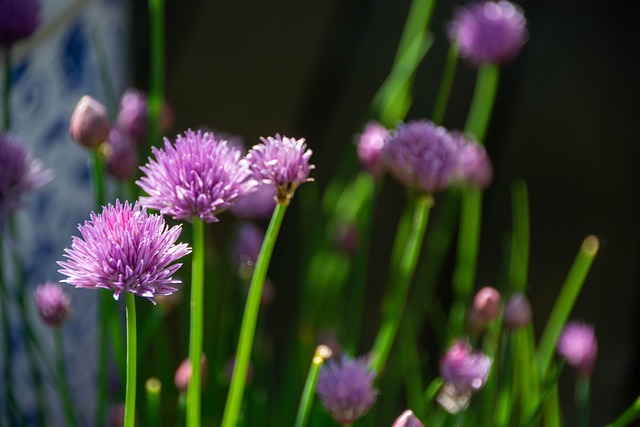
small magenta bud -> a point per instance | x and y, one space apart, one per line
132 114
370 145
52 303
485 309
183 374
475 165
578 345
121 155
517 312
89 125
407 419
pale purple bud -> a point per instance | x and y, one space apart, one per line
89 125
257 205
19 19
475 165
52 303
121 155
132 114
346 389
370 148
578 345
467 371
407 419
422 156
489 32
517 312
486 308
183 374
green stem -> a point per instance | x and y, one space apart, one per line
196 328
62 378
582 386
394 303
130 390
630 415
249 319
157 69
565 301
153 387
483 100
6 99
445 85
103 300
467 257
321 354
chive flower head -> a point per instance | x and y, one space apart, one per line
124 249
422 156
19 19
19 175
578 345
345 388
370 145
52 303
197 177
489 32
466 370
282 162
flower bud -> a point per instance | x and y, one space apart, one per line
183 374
52 303
486 308
578 345
517 312
407 419
89 125
370 145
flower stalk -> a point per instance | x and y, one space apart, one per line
130 388
196 328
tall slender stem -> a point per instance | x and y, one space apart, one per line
132 361
322 352
249 319
630 415
444 91
582 386
197 320
62 378
153 387
156 70
393 305
483 99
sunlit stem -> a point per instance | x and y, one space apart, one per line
321 354
196 328
132 361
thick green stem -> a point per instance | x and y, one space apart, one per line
483 100
565 301
6 99
395 301
445 85
62 379
249 319
196 328
153 387
130 388
322 352
583 384
157 69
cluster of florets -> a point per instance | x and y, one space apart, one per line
423 156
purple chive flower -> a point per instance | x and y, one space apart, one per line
257 205
465 370
19 174
578 345
121 155
485 309
19 19
246 247
132 114
197 177
89 125
52 303
422 156
370 145
346 389
517 312
474 165
489 32
282 162
407 419
124 249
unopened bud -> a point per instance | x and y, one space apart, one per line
517 312
89 125
407 419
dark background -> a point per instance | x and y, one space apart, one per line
565 120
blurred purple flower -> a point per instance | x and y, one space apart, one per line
370 148
197 177
124 249
422 156
52 303
132 114
486 307
474 165
346 389
489 32
121 155
89 124
517 312
467 371
257 205
19 174
19 19
247 244
282 162
578 345
407 419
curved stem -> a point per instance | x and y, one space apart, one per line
130 390
247 330
196 328
400 282
322 352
